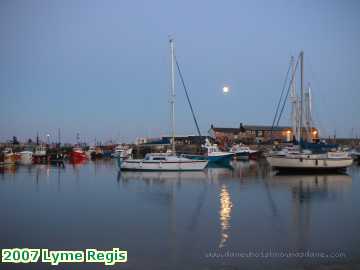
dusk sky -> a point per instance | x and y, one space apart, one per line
101 68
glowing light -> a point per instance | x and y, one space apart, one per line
314 132
288 132
226 89
225 215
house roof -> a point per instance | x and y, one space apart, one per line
249 127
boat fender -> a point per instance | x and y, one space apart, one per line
316 162
301 160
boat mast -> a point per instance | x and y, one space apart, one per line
294 101
172 99
307 108
301 94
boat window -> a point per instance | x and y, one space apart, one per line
159 158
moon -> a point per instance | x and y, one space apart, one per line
225 89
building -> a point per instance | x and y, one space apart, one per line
250 134
179 140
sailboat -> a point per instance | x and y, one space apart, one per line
165 161
306 159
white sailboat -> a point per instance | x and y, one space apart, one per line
300 161
165 162
304 159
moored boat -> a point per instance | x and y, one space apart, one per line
242 151
26 157
121 151
169 161
213 154
355 154
331 161
308 156
77 155
163 162
39 155
90 153
9 157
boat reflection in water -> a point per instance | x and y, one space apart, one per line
309 187
216 172
11 169
161 176
307 191
244 171
224 215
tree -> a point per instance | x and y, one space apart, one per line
15 140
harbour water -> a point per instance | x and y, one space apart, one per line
222 218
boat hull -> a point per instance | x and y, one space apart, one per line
223 158
142 165
242 155
308 164
77 156
226 158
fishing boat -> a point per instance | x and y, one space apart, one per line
215 155
26 157
307 159
90 153
168 161
355 153
121 151
9 157
242 151
40 151
77 155
99 152
39 155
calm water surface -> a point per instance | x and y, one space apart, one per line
183 220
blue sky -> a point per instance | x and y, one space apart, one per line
101 68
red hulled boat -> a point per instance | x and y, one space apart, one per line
77 155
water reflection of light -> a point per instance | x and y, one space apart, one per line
225 215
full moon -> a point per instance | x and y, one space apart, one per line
226 89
